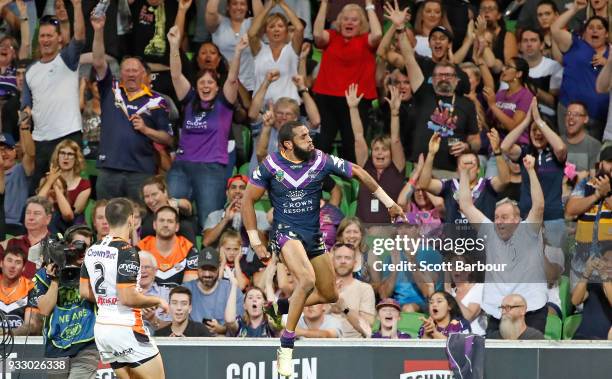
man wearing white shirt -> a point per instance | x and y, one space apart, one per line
516 248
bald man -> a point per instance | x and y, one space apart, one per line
512 325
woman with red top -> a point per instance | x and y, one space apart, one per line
348 57
68 161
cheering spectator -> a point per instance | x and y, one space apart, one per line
508 107
512 325
351 231
17 303
483 190
387 163
230 249
220 220
277 54
60 303
430 14
274 116
545 74
254 322
583 59
465 287
154 318
348 57
418 203
316 323
211 293
175 255
38 213
515 243
444 318
52 83
582 149
442 111
53 188
355 305
98 220
389 315
70 161
551 153
199 167
91 110
133 118
547 13
504 44
155 196
228 30
16 176
590 203
180 310
595 296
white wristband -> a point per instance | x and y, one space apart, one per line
254 237
370 7
383 197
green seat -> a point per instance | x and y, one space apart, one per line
553 328
244 169
263 205
352 210
199 242
409 168
570 325
90 169
89 212
410 323
565 295
355 188
246 140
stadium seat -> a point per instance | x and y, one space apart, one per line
352 209
565 295
553 328
199 242
355 187
89 212
244 169
246 140
90 169
263 205
570 325
409 168
410 323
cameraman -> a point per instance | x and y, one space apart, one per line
70 320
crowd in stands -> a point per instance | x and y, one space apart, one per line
468 117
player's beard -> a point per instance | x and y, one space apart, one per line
302 154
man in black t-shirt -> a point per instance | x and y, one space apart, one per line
440 110
180 309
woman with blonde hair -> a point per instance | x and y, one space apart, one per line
348 57
282 52
430 14
352 232
64 177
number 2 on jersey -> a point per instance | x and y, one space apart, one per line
99 286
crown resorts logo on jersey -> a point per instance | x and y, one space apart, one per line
295 195
427 369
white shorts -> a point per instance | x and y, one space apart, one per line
122 345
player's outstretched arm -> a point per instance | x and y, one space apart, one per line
251 195
395 211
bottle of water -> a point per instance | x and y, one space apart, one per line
100 9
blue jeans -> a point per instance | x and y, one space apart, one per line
202 182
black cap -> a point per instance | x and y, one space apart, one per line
209 257
606 154
442 30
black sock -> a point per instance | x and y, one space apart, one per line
283 306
